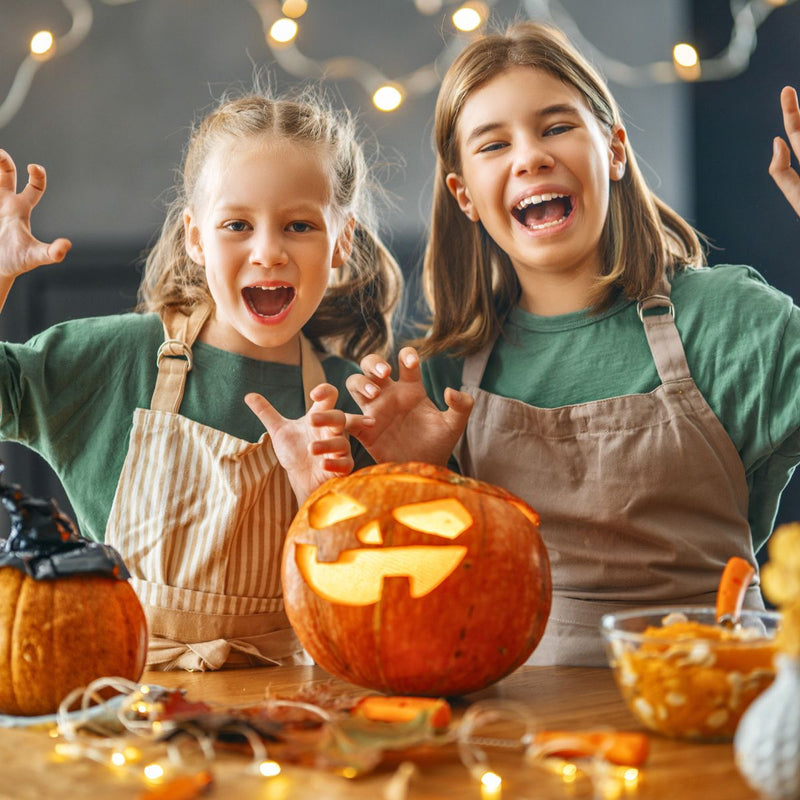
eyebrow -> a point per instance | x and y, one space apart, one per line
547 111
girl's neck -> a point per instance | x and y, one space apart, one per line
553 295
224 338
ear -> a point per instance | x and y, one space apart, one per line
461 193
617 155
191 238
344 244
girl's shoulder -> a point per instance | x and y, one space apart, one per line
107 328
731 281
730 289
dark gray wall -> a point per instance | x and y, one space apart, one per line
736 203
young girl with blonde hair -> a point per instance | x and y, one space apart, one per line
267 279
646 405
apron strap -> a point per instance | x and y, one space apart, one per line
174 359
311 369
662 334
475 365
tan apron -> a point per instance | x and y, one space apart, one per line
200 517
643 498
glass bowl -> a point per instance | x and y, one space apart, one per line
684 676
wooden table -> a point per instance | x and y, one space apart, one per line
558 697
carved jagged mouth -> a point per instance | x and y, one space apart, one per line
541 211
268 301
356 578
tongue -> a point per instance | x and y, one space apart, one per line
268 302
549 211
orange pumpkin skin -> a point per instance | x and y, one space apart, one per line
476 626
58 635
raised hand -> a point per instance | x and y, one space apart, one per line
401 423
20 251
311 449
780 167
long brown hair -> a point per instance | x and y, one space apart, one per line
355 315
469 281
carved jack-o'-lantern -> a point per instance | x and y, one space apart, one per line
411 579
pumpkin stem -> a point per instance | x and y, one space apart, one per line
33 519
45 544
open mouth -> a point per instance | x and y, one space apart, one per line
268 301
542 211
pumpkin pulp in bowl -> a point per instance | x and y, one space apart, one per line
685 676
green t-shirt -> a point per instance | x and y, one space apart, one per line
70 392
742 343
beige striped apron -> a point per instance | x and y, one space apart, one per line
643 498
199 517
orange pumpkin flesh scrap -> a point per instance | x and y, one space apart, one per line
478 624
624 748
403 709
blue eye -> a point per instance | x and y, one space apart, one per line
237 226
299 227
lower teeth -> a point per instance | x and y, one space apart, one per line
546 224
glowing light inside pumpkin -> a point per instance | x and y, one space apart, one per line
446 518
332 508
356 579
370 533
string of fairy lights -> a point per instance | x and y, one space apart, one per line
460 20
174 755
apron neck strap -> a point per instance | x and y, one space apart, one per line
174 359
310 368
662 334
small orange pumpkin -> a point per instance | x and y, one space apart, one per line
68 614
411 579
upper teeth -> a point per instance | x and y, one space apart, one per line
535 199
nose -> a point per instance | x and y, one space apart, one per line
531 155
268 249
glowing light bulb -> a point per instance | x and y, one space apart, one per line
387 98
294 8
686 60
269 769
467 18
631 775
118 759
42 43
569 772
153 772
283 30
491 786
685 55
428 7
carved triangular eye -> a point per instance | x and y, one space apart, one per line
447 518
332 508
370 533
